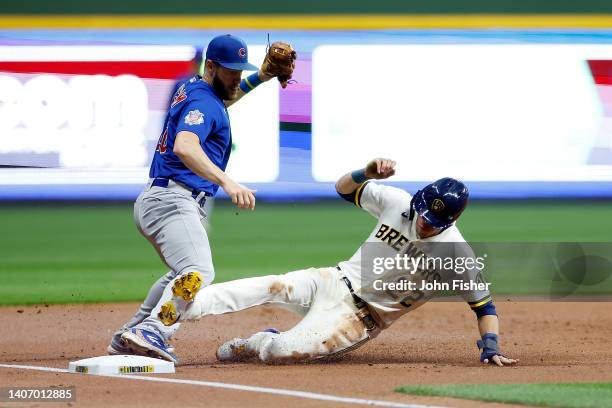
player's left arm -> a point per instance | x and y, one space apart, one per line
279 62
248 84
480 301
488 328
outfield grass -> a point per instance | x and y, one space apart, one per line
572 395
92 253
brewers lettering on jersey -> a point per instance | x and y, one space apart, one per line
341 308
187 169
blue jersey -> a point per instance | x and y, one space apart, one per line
194 108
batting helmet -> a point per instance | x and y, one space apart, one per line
441 202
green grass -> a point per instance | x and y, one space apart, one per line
92 253
580 395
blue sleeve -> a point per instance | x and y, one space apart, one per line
350 197
354 197
484 307
196 117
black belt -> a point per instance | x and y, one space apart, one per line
360 304
162 182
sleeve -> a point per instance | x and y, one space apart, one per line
376 198
471 274
196 117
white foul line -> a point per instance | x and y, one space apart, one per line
238 387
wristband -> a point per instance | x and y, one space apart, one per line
488 345
251 82
359 176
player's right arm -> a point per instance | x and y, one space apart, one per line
187 148
376 169
373 198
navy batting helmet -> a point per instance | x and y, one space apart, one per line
441 202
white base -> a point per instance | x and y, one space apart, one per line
124 364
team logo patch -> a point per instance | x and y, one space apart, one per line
242 52
179 96
194 117
437 205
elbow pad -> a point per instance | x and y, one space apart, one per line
486 309
350 197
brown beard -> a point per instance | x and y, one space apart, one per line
220 89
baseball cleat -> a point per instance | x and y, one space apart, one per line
184 290
114 350
235 350
117 350
167 315
272 330
187 286
146 343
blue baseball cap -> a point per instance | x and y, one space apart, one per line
229 52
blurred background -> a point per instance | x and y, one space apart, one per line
514 98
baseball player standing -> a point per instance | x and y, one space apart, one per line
347 305
187 169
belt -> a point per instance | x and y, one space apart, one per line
197 195
363 312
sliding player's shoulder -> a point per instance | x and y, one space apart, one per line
392 195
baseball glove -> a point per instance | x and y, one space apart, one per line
279 62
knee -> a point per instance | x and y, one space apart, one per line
281 288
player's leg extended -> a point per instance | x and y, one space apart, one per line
295 288
330 327
320 334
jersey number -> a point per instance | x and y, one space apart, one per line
163 141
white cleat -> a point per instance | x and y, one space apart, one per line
235 350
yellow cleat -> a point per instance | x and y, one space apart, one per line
167 315
187 286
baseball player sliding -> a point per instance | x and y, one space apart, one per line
187 169
347 305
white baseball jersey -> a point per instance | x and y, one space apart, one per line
434 265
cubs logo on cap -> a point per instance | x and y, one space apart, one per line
230 52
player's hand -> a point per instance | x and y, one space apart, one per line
500 360
242 197
279 62
380 169
264 76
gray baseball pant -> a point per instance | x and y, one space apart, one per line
174 224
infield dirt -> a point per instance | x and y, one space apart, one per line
555 342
